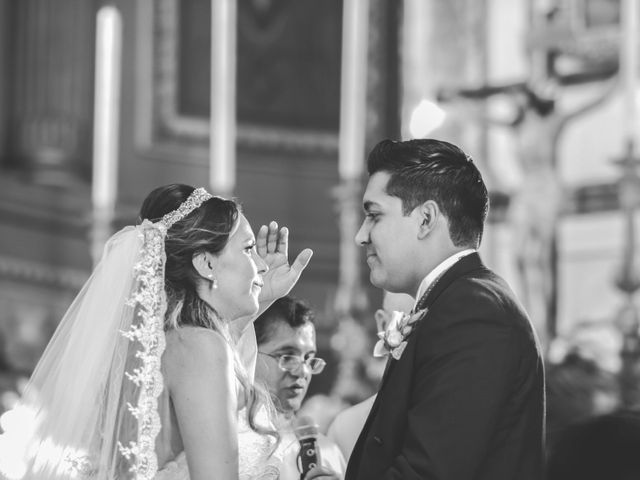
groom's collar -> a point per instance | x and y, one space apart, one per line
440 269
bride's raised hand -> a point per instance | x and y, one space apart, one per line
272 244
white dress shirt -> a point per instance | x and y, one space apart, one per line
437 272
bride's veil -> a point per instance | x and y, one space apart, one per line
89 409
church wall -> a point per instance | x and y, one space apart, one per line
287 163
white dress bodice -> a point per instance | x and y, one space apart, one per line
255 457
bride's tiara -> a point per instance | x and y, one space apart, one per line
197 198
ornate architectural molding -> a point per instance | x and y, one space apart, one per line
39 273
172 128
586 31
50 80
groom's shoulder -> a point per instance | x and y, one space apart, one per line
482 282
478 306
481 292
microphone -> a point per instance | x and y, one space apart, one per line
306 431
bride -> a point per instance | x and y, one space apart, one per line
149 375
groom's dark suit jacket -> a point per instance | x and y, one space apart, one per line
466 399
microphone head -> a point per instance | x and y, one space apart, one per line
305 427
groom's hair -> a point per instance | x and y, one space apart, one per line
287 309
428 169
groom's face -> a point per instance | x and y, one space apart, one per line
390 239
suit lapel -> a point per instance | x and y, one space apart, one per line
463 266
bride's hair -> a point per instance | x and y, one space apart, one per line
205 229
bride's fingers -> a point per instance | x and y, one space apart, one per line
261 241
301 261
272 237
283 241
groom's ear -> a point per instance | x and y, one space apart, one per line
205 264
427 214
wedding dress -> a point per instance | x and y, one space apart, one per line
256 460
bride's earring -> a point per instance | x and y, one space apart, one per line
214 282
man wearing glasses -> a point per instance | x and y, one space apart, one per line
287 360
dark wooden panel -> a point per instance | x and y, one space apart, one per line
50 72
288 61
4 90
288 80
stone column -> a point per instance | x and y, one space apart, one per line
4 48
351 303
443 45
383 75
51 74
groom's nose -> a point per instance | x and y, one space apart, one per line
362 237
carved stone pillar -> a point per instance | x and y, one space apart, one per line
4 48
352 340
443 44
383 117
474 137
51 82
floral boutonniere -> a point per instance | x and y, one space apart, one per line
393 332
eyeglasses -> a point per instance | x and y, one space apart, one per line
291 363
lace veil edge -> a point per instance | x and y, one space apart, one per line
90 408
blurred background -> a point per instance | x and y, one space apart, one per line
277 102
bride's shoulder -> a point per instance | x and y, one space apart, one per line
193 335
188 345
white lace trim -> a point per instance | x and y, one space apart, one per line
149 298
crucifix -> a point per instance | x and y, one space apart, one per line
537 123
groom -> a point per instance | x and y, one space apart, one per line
463 399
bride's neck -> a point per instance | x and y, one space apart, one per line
238 327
